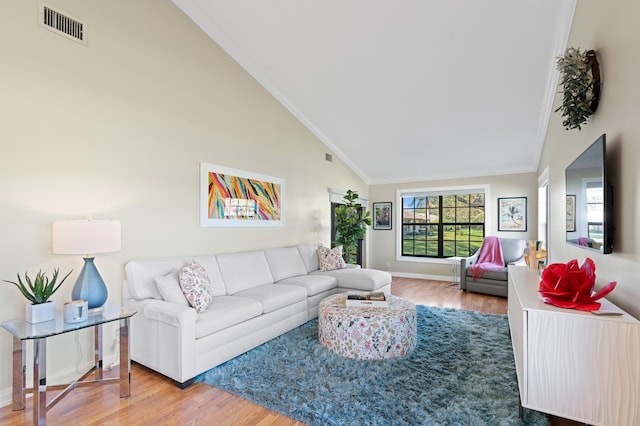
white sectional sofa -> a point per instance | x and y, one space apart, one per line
257 295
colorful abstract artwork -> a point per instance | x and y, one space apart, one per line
231 197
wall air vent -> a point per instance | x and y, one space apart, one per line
62 24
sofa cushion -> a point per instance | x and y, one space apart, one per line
359 279
330 259
275 296
512 249
498 275
243 271
194 281
225 311
314 283
141 275
169 288
285 262
216 284
309 254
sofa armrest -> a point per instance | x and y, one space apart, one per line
471 260
465 262
163 338
169 313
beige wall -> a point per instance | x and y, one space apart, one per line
382 243
117 129
611 29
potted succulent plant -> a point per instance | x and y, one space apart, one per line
351 224
38 292
580 81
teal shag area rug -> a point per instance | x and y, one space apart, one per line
462 372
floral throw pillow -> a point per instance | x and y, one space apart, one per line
330 259
194 282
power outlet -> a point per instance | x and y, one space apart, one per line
388 263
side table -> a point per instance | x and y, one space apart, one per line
39 332
455 270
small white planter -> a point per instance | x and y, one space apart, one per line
40 312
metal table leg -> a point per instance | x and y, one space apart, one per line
125 362
97 353
19 373
40 381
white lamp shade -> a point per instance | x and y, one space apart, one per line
86 236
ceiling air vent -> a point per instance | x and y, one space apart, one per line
62 24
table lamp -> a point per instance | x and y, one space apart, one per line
87 237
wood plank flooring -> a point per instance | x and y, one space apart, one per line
155 400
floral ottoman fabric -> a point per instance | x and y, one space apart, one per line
367 332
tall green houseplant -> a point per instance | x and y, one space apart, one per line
351 221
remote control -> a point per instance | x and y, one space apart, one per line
601 312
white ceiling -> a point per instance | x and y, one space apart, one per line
405 90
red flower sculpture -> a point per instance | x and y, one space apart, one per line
571 286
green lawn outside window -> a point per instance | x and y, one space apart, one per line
442 225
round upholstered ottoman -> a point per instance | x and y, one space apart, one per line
367 332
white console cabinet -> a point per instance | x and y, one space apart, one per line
570 363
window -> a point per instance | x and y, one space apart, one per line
595 209
442 224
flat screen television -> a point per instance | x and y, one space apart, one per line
590 200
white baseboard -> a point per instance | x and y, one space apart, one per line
422 276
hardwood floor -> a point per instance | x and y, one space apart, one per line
156 400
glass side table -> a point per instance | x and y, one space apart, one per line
23 331
455 271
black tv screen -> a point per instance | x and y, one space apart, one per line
590 200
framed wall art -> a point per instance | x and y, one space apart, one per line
512 214
571 213
382 215
231 197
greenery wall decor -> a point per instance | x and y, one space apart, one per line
351 223
580 81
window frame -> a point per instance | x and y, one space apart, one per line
587 185
432 191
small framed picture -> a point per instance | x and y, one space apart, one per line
382 215
512 214
571 213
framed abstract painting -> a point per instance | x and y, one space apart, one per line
231 197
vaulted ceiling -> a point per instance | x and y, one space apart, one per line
405 90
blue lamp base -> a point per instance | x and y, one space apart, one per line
90 286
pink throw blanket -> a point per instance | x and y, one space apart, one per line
489 259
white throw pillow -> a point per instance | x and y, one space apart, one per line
330 259
195 285
169 288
